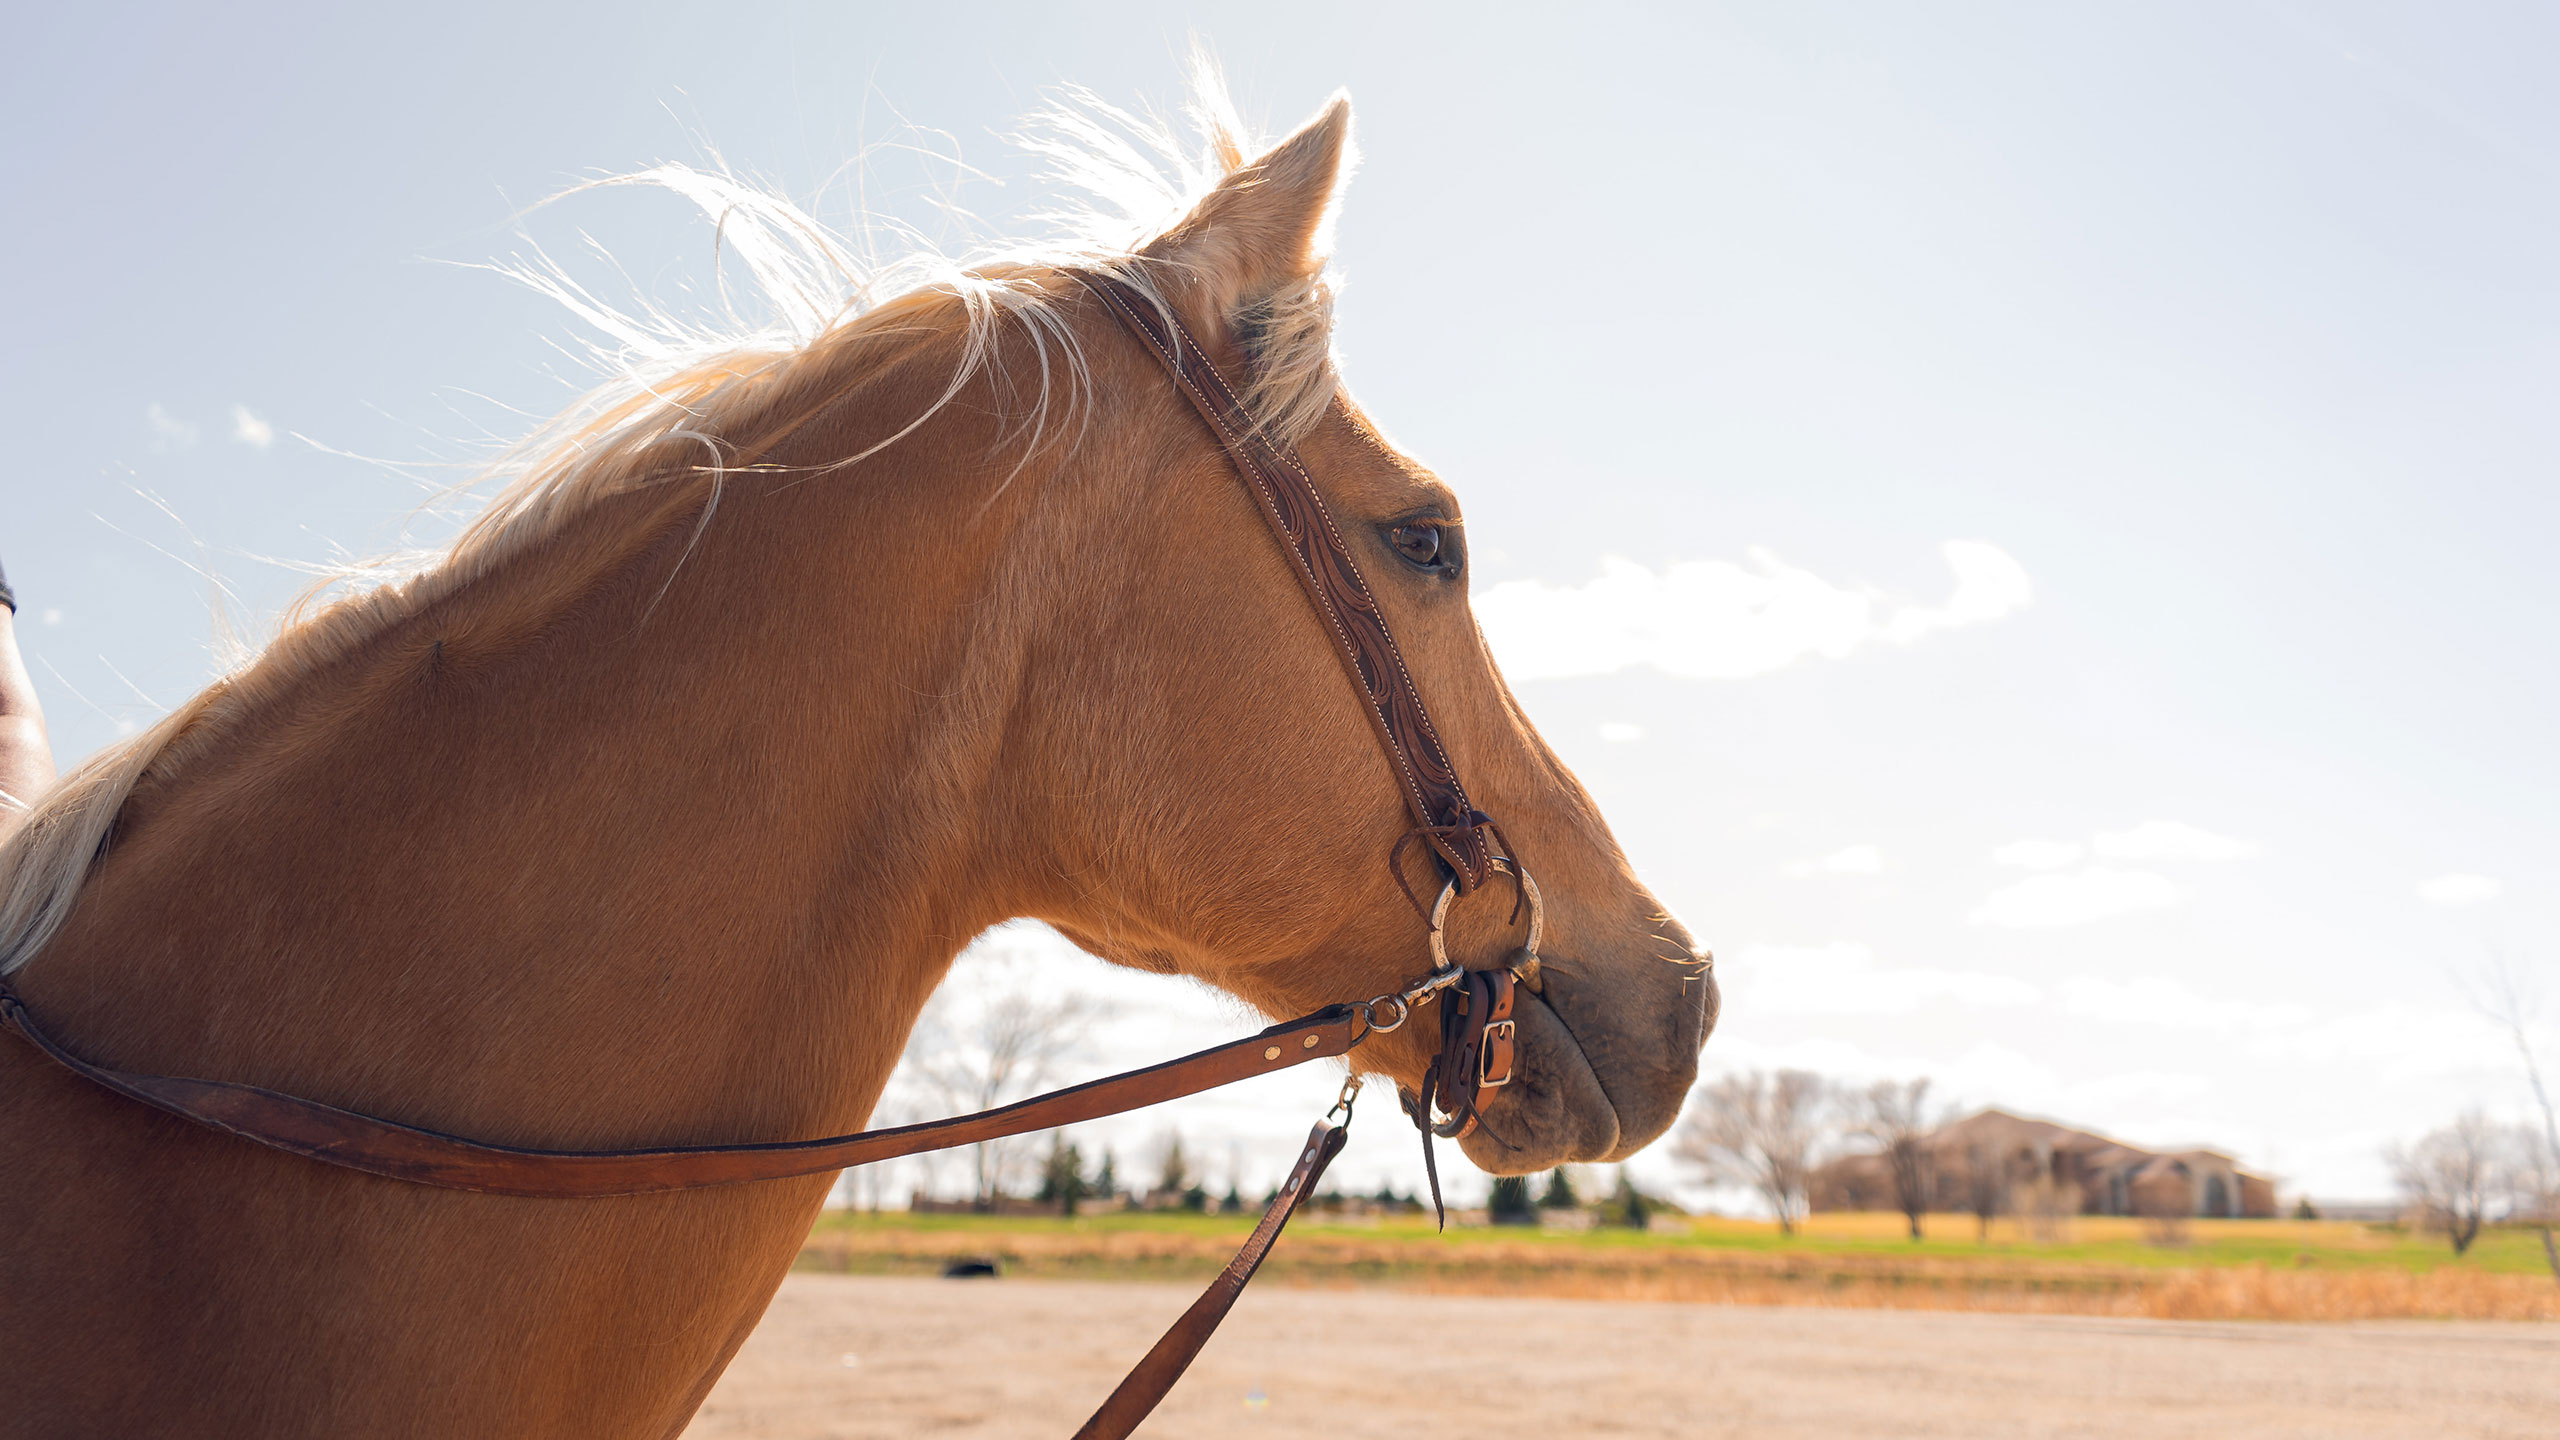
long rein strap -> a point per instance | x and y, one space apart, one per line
430 1157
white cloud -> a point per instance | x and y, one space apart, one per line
2126 1087
248 429
53 614
168 432
1989 585
2159 1000
2395 1044
1619 732
1843 979
2038 854
1987 1073
2459 889
2053 902
1713 619
2170 840
1848 860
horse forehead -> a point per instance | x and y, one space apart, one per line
1359 467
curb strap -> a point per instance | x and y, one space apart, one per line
1146 1385
1478 1044
1322 560
1478 1041
449 1162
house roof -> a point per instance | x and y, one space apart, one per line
1999 1129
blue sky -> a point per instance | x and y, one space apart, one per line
2218 340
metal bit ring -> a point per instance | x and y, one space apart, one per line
1444 973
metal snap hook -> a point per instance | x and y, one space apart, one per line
1369 1015
1342 1102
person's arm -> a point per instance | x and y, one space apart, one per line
26 757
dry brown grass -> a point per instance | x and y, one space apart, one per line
1735 1277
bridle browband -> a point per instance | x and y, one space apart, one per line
1477 1050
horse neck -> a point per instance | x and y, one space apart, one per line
656 832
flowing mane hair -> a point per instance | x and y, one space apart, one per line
676 391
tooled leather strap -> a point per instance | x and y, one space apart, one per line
1173 1354
1318 553
449 1162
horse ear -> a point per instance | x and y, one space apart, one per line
1263 230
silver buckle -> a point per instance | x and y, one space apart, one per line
1484 1055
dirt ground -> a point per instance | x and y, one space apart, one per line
848 1356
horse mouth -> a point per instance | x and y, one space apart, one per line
1595 1085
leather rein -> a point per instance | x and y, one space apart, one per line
1475 1059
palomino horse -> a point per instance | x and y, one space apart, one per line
654 812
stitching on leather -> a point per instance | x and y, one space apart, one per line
1213 410
1324 512
1419 790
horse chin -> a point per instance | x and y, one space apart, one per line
1584 1092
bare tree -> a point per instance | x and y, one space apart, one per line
2452 1176
1986 1186
1896 1115
2537 1156
2533 1180
1761 1131
980 1047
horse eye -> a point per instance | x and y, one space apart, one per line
1417 543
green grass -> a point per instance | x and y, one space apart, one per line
2084 1241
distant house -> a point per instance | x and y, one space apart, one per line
2073 1171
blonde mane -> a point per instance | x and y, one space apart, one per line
673 387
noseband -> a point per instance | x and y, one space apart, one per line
1477 1032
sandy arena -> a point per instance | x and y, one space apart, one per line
853 1356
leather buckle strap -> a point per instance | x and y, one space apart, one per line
1476 1047
1478 1051
1494 1057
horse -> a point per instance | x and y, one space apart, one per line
653 810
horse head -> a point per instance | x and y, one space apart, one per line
1207 794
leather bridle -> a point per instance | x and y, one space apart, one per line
1477 1030
1477 1051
